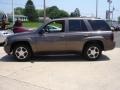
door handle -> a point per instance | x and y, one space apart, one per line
86 35
62 36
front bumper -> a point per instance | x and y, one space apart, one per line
7 49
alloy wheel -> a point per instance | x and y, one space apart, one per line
93 52
21 53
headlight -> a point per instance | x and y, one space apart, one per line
6 41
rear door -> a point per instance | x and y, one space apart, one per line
77 31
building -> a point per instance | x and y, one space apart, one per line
20 17
3 16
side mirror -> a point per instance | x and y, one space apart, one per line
42 31
112 28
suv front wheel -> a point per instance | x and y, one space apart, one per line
92 51
22 52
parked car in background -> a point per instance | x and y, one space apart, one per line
4 34
86 35
116 26
53 28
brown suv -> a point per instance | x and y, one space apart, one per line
85 35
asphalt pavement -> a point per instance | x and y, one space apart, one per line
117 38
62 72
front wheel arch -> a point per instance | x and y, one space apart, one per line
26 44
20 43
22 52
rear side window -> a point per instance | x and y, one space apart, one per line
77 25
99 25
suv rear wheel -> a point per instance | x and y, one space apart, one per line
22 52
92 51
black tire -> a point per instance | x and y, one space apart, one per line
24 50
92 51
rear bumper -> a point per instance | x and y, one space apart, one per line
109 45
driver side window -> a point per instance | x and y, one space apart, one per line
55 26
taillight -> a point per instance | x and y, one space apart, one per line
112 36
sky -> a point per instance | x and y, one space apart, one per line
86 7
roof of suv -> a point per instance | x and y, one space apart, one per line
78 18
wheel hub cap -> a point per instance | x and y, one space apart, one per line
93 52
21 53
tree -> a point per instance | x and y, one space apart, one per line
55 12
63 13
40 12
52 12
119 19
19 11
76 13
30 11
72 14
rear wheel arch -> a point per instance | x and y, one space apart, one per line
92 51
100 43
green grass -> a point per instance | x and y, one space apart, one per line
29 24
32 24
35 24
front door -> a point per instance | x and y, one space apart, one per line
53 38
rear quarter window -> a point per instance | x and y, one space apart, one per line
99 25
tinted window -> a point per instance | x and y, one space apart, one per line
84 28
99 25
77 25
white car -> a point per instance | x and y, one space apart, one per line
4 34
53 28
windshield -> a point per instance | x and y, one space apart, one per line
41 27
